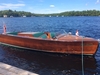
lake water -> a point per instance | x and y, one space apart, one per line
52 64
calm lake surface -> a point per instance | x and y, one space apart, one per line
52 64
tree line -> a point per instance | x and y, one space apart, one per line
14 13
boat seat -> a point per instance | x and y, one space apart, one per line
13 33
53 35
38 34
44 36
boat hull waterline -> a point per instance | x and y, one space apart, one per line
61 45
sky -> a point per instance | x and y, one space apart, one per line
49 6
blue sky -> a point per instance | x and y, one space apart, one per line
49 6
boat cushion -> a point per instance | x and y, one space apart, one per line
53 35
38 34
13 33
44 36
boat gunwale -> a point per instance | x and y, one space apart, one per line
44 40
92 39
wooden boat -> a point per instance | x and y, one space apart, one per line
50 42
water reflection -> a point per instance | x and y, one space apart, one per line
47 64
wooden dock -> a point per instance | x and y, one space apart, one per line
6 69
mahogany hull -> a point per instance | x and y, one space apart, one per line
55 46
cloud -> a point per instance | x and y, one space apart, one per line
52 6
47 11
86 4
13 5
10 5
98 1
20 1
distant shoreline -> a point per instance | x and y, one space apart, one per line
11 13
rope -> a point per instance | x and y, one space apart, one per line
82 58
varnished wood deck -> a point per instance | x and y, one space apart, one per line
75 38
